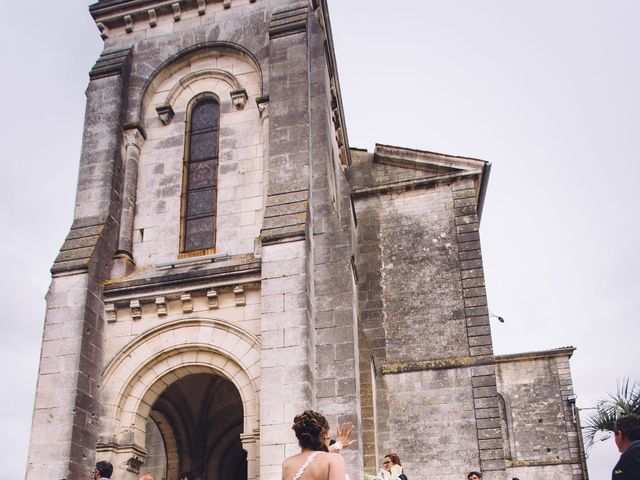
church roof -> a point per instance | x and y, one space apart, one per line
391 168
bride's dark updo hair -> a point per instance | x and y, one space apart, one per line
310 427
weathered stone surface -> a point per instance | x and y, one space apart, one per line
340 280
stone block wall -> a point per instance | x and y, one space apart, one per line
412 310
424 319
420 270
430 423
538 410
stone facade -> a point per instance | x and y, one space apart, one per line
540 418
339 280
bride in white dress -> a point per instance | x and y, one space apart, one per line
314 462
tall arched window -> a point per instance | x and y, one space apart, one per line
199 195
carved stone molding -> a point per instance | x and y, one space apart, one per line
134 135
136 309
110 312
238 94
249 438
187 303
161 306
239 98
263 105
212 296
239 294
115 14
134 463
165 112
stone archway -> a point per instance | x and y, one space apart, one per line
200 418
144 371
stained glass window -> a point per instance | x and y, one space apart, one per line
201 170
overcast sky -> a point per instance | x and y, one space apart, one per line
547 91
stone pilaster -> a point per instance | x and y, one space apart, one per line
134 137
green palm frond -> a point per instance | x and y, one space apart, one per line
625 400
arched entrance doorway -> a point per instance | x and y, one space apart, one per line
209 377
195 424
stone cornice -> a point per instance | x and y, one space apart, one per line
542 463
422 159
110 14
458 362
183 279
438 364
519 357
426 182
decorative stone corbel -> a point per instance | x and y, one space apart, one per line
165 112
176 11
239 98
335 117
340 137
153 17
128 23
104 31
226 3
136 309
212 296
133 464
342 155
187 303
161 306
240 297
110 312
202 7
263 105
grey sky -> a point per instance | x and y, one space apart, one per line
546 90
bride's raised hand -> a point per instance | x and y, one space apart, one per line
343 433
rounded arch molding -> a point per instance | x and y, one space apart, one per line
165 68
140 372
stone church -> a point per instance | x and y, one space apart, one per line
232 262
